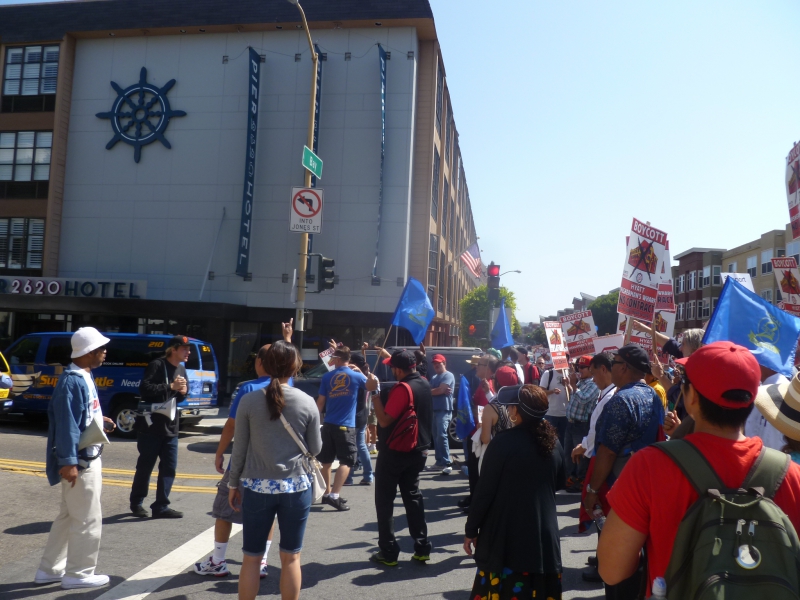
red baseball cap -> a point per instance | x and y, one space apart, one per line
438 358
720 367
506 376
584 360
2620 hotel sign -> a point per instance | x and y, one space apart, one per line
79 288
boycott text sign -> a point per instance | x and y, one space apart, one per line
787 275
637 300
743 278
608 343
578 329
793 189
555 341
644 260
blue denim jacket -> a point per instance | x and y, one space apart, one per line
67 412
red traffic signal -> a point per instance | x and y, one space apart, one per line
472 330
493 270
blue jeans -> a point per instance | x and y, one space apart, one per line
441 423
258 514
363 456
154 448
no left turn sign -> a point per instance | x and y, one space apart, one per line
306 213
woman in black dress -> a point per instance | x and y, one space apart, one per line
513 524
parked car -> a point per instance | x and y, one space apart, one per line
36 361
6 403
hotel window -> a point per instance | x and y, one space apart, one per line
714 305
29 79
716 275
732 267
439 98
752 265
793 249
25 155
679 315
706 276
21 243
690 310
680 287
766 262
442 275
767 295
435 187
445 206
433 263
704 308
692 280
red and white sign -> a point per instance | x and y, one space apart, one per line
788 278
664 324
306 213
578 329
644 261
555 341
608 343
325 356
793 189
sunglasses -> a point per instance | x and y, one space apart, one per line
583 366
617 362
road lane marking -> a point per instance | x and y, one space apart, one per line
149 579
31 463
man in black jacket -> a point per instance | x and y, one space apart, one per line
164 384
397 466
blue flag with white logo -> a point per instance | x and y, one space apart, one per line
414 311
746 319
465 422
501 332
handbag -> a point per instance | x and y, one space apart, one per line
311 464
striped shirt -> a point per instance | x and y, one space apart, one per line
583 399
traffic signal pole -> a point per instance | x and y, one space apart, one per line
493 292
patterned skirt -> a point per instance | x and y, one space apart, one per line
509 585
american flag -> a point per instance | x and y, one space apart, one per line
472 259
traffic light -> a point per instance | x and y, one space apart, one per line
325 275
478 329
472 330
493 282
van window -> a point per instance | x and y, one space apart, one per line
59 351
193 362
24 353
133 352
208 358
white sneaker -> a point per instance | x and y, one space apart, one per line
43 578
71 583
209 567
263 573
447 470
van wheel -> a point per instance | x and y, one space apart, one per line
123 417
454 441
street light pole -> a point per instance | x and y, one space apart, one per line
301 266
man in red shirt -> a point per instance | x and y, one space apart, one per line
651 496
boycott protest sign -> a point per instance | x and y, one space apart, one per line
608 343
793 189
786 273
644 259
578 329
743 278
555 341
664 323
325 355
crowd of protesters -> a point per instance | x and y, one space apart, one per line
596 429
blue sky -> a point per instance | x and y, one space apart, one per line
576 116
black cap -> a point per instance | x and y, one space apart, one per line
402 359
522 350
358 360
177 341
635 356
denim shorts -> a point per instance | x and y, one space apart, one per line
258 514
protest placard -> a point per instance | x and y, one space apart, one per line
555 341
663 322
644 261
788 278
325 355
578 329
793 189
743 278
608 343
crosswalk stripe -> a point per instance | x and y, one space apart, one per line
30 463
152 577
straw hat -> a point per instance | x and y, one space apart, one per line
474 360
780 405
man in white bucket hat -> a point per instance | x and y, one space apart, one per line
73 461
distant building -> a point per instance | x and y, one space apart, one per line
697 281
755 258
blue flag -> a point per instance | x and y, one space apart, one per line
414 311
746 319
501 333
465 422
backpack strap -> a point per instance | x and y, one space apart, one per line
768 472
692 464
410 395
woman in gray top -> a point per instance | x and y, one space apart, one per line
269 465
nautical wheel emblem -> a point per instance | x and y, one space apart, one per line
140 114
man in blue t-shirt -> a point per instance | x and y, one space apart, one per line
442 385
338 397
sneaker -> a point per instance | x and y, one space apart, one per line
263 573
463 503
447 470
139 511
43 578
421 558
379 558
373 451
338 503
209 567
575 489
432 468
592 561
348 482
168 513
366 482
591 575
92 581
570 481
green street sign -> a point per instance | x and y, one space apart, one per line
312 162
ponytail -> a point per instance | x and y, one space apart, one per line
280 360
275 399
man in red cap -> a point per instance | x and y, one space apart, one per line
442 385
651 496
579 411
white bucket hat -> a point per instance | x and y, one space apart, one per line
85 340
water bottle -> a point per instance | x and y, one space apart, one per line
659 588
599 517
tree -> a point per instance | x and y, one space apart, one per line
475 308
538 337
604 311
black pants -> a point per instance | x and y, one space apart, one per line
152 448
392 470
633 588
472 468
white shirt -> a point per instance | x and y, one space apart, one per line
588 441
757 426
520 375
94 405
558 402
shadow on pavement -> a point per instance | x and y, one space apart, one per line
29 529
15 591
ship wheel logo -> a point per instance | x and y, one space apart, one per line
140 114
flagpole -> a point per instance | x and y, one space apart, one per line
386 339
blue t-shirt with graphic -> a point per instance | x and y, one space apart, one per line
340 388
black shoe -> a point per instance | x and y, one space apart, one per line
463 503
575 489
592 561
365 482
338 503
139 511
379 558
168 513
591 575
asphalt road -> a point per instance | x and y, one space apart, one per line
151 559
